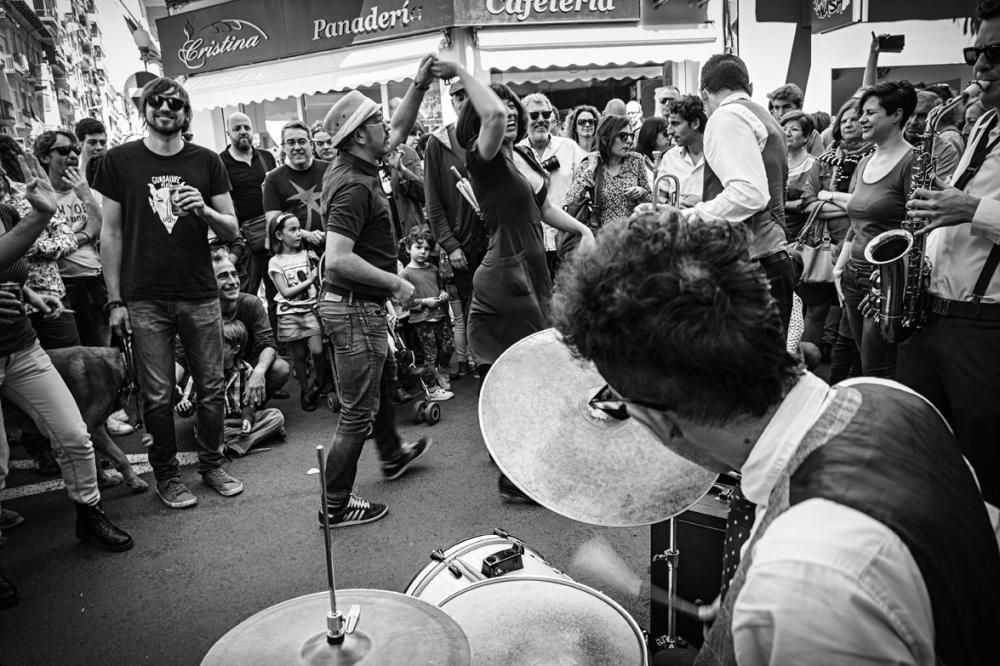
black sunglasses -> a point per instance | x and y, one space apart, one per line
991 51
586 122
65 150
544 114
173 103
610 402
624 136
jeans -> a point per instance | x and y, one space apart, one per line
359 334
29 380
199 324
878 358
88 295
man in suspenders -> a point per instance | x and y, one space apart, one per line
955 359
746 169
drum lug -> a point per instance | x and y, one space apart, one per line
504 561
437 555
502 533
455 571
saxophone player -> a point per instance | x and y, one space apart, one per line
954 360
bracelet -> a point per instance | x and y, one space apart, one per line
113 305
420 87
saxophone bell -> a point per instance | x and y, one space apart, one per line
889 253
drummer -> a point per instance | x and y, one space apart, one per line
859 552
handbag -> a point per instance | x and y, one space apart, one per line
588 210
816 251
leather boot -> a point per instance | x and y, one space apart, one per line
93 523
8 593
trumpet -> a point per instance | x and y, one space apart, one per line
672 198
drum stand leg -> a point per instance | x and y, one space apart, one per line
334 619
671 556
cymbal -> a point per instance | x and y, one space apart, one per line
576 461
392 629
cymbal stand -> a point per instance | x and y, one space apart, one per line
671 555
334 619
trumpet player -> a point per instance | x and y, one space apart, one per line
954 359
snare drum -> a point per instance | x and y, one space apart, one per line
490 556
544 621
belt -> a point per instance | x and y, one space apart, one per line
963 309
773 259
348 295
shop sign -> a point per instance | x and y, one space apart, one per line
676 12
537 12
242 32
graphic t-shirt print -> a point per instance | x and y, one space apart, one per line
160 200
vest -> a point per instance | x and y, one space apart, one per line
888 454
768 224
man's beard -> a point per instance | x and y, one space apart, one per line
176 126
243 143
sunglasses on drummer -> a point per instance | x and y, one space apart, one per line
612 403
991 51
65 150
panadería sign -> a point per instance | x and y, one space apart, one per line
249 31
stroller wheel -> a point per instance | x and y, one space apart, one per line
433 414
420 411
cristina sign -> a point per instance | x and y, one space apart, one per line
250 31
245 32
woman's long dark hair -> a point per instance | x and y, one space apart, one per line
469 122
651 128
607 130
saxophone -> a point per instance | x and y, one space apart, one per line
899 281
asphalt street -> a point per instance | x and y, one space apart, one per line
196 573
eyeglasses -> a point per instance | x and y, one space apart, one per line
586 122
65 150
991 51
612 403
173 103
297 142
625 137
544 114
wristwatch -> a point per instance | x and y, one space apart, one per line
113 305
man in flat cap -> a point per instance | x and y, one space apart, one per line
361 251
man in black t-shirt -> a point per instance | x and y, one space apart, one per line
360 277
296 186
247 168
162 195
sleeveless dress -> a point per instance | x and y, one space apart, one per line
512 291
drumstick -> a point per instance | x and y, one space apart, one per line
597 558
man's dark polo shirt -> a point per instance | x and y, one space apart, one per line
355 206
246 180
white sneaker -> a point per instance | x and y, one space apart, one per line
116 428
438 394
120 415
442 379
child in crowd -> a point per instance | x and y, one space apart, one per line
429 319
294 273
245 425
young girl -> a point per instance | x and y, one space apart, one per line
293 271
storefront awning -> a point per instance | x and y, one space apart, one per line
532 55
319 73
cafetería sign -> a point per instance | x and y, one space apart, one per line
251 31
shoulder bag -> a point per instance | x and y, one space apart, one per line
816 251
588 210
254 230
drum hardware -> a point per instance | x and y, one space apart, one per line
397 628
504 561
458 568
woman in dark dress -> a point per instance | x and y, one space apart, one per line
511 289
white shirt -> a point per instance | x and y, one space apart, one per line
957 253
734 141
569 155
828 584
690 172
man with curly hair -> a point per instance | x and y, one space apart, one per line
844 563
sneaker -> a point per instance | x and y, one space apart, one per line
357 512
175 494
9 519
411 452
222 482
118 428
438 394
442 379
120 415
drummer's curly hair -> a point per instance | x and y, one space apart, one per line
674 312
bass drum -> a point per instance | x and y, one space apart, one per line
542 621
461 565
